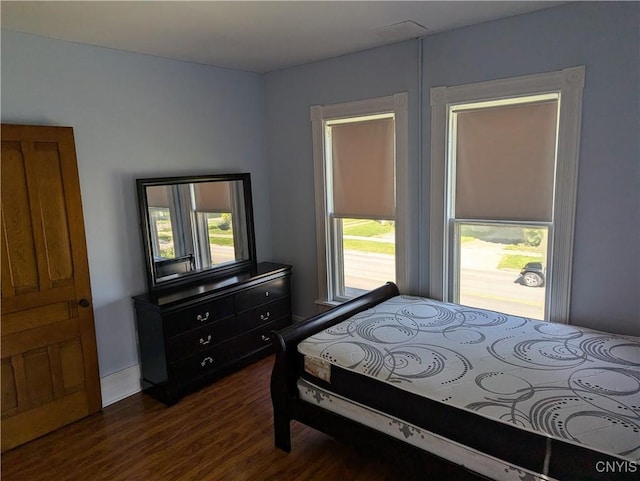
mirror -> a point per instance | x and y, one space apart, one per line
195 228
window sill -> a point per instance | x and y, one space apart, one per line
324 305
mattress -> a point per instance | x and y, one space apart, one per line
457 453
466 372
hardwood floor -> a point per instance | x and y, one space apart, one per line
223 432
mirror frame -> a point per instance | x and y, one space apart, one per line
201 275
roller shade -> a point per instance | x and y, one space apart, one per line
505 162
363 162
212 197
158 196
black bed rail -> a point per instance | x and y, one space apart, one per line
287 364
297 332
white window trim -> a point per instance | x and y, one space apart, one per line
569 83
320 114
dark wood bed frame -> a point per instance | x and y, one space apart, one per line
284 392
287 406
569 462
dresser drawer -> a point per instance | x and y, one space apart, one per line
204 362
263 314
261 294
200 339
191 335
198 315
261 337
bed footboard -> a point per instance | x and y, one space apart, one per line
284 393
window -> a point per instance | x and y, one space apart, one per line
161 222
211 206
162 232
503 183
195 221
500 202
359 157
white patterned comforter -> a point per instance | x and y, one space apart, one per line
570 383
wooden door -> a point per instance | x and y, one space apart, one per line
49 358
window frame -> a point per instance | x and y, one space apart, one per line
328 257
568 84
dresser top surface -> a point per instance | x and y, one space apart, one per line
211 288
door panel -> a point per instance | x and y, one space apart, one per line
46 171
49 357
19 249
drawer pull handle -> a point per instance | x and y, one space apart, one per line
265 317
266 294
266 338
206 341
202 318
206 360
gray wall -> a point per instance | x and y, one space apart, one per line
134 116
290 93
602 36
605 37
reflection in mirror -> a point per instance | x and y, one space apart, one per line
195 226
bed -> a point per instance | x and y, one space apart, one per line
505 397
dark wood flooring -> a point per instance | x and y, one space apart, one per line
223 432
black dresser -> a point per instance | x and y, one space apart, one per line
191 335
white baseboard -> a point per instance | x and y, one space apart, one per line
120 385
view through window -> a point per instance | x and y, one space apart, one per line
218 236
162 233
502 268
368 248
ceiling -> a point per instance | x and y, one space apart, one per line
256 36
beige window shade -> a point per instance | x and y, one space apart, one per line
505 162
212 197
363 164
158 196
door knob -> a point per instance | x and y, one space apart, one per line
84 302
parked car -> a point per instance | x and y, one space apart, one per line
532 275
